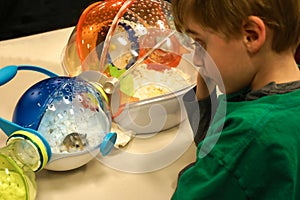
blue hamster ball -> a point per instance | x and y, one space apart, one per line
61 108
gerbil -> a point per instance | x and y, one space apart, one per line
74 142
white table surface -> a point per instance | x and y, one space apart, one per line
94 180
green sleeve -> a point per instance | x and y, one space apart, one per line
208 179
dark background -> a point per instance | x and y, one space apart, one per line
25 17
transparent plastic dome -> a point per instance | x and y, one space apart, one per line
138 58
72 115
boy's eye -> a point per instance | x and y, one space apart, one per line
199 47
200 43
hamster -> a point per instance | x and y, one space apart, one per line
74 142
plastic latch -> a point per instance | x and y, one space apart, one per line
108 143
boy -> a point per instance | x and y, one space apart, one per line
297 55
257 154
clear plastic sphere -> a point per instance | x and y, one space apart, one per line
71 114
141 59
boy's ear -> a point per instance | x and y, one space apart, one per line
254 33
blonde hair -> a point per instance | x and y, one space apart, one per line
226 16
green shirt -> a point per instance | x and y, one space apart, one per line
257 154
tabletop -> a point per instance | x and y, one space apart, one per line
146 168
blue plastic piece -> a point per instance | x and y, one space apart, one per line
108 143
7 73
8 127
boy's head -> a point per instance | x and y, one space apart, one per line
227 16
